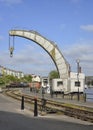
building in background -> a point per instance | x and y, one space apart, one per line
6 71
36 83
45 84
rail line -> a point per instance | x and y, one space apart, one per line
50 106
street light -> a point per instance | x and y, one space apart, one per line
78 83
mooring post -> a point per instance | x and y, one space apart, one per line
85 96
35 107
22 103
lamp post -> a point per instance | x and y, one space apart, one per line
78 83
35 99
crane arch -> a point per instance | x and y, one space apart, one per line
49 46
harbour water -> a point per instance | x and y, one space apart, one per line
89 94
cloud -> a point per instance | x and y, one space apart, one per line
79 49
87 27
11 2
36 61
28 60
83 51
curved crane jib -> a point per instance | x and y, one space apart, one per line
48 46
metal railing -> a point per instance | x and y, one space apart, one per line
89 97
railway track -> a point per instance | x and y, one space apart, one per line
50 106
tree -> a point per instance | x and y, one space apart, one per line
7 79
2 81
53 74
27 78
10 78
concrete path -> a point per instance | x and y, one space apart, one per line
13 118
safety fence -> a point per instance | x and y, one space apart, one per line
89 97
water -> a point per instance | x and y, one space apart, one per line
89 94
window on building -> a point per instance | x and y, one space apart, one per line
59 83
77 83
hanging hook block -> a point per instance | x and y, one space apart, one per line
11 51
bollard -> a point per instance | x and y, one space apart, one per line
56 94
85 96
51 94
35 107
78 96
22 103
63 95
71 96
43 101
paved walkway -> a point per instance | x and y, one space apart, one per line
9 106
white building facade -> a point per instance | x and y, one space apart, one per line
6 71
72 84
